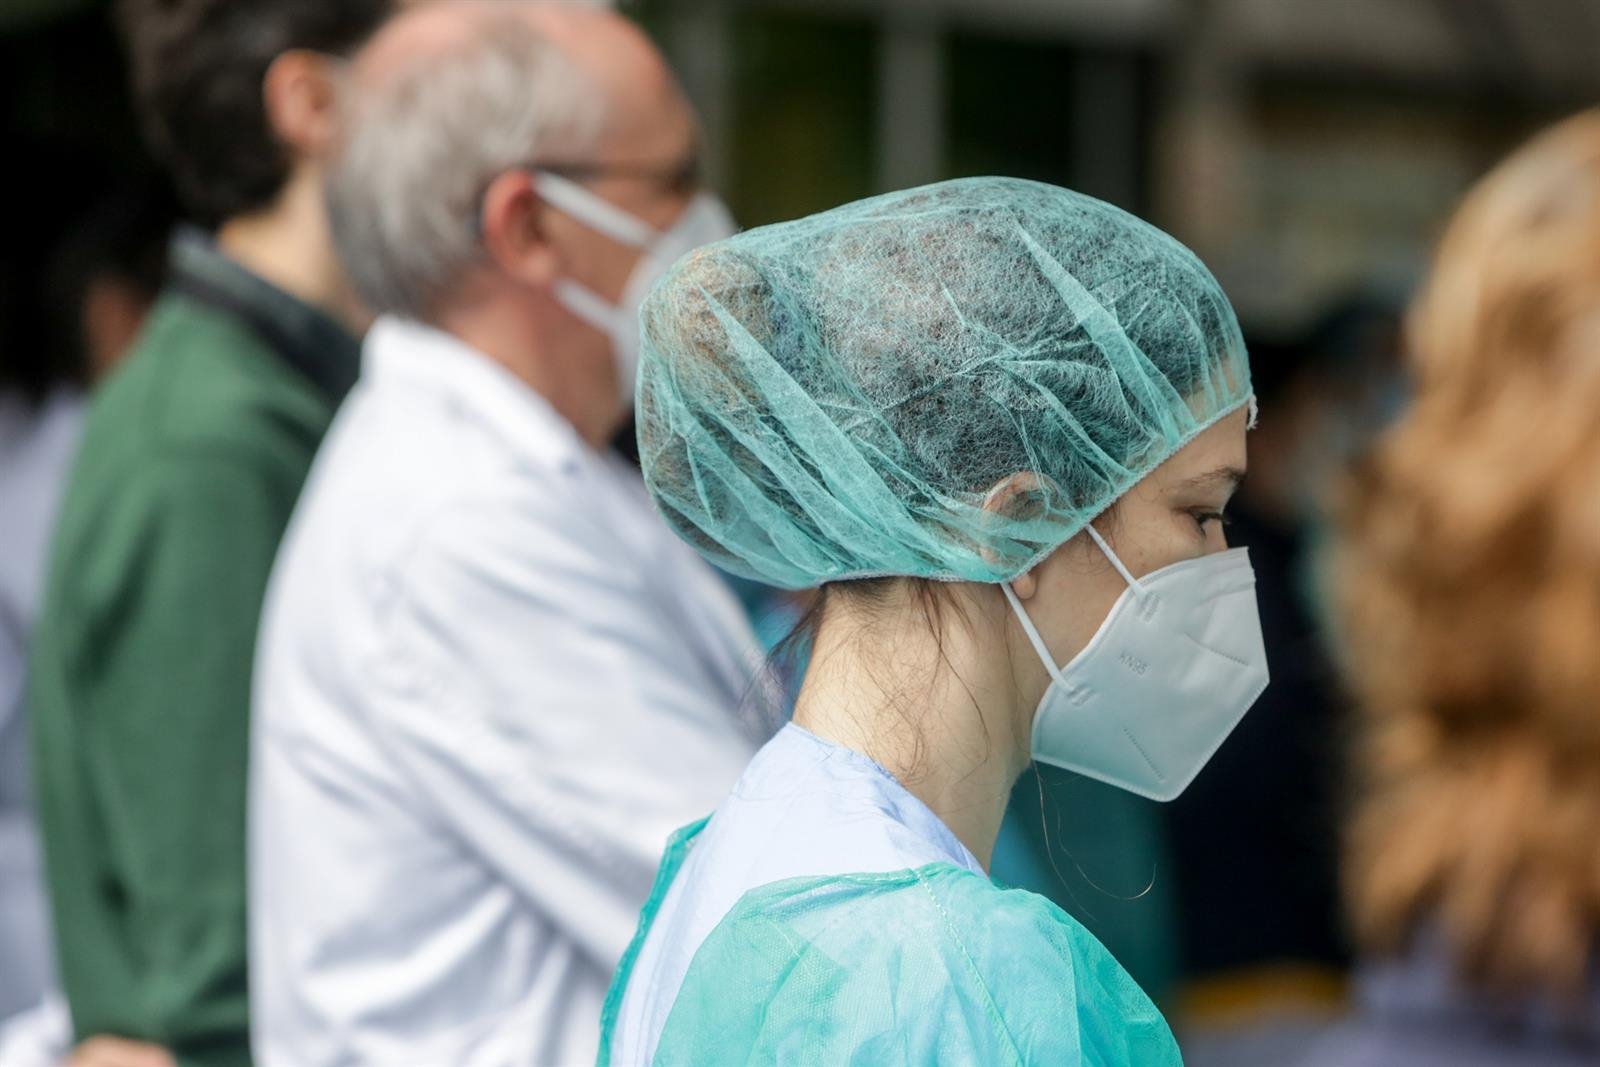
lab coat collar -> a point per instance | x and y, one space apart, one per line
404 350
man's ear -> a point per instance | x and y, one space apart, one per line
513 235
301 96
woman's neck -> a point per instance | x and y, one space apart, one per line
939 716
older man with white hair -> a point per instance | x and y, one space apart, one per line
490 682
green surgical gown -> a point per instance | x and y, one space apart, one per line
935 965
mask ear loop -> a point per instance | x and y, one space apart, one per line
1127 576
1027 624
1033 634
594 211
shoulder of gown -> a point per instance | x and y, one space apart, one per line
932 965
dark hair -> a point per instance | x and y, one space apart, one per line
121 238
198 68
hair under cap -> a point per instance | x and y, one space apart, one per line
946 382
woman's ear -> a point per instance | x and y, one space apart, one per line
1025 584
1005 496
1005 499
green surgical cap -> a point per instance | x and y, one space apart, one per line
946 382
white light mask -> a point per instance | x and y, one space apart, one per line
1166 678
705 219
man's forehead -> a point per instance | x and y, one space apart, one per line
647 116
430 29
647 109
590 35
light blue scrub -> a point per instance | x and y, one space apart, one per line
889 939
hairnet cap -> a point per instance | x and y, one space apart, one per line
946 382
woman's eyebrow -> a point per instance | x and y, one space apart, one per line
1222 478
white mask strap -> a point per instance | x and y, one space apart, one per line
594 211
1027 624
1127 576
588 305
1033 634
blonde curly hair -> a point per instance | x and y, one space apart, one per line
1470 570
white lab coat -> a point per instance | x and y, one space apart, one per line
489 685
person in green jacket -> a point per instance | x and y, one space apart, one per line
192 456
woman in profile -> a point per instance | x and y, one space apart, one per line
1471 570
997 423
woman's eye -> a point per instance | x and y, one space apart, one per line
1203 519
